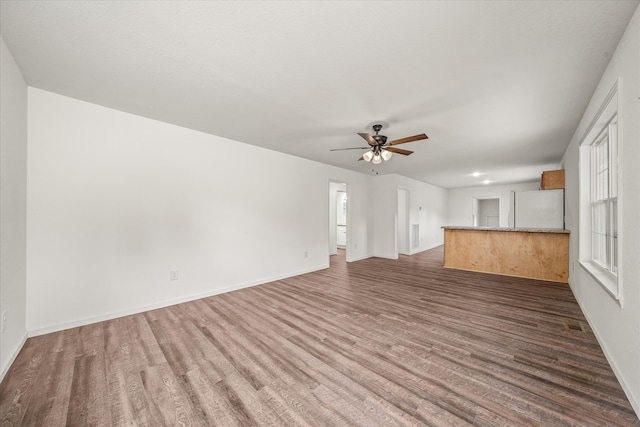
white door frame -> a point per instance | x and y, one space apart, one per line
331 226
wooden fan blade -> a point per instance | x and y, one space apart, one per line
408 139
351 148
398 150
372 142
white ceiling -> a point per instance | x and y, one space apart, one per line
499 86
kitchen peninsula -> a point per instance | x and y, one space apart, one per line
533 253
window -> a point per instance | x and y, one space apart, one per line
604 199
599 229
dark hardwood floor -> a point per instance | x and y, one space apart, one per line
375 342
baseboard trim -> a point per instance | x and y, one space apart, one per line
360 258
15 353
418 250
635 403
411 252
140 309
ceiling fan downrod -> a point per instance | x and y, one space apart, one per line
380 139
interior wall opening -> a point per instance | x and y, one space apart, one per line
338 218
486 211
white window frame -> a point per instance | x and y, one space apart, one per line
599 240
604 198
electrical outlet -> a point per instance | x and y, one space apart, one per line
355 246
173 275
306 254
4 321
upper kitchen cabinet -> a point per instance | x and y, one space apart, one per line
552 180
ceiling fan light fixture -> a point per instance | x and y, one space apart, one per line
379 148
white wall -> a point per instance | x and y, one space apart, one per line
427 208
116 201
13 196
404 245
384 216
461 201
617 329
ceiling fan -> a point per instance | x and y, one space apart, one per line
379 148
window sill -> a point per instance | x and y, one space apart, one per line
608 281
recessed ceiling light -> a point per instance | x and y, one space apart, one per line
476 174
486 181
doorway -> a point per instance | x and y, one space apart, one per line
486 211
338 217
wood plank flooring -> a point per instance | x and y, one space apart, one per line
372 343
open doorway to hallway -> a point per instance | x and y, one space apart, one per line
486 211
338 217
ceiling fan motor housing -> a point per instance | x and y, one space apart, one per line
380 139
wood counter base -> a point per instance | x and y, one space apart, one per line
530 253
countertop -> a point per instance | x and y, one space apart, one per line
521 230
